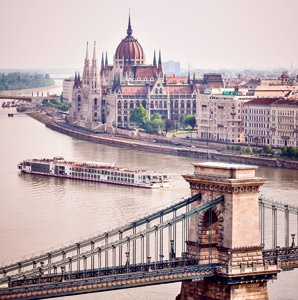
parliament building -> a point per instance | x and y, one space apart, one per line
105 96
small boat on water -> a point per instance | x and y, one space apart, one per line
95 171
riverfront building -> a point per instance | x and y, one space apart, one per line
271 121
220 114
67 89
110 94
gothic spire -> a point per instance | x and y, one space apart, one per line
106 62
129 29
94 50
159 68
87 58
102 64
154 60
86 72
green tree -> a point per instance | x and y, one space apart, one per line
157 122
140 116
267 149
189 120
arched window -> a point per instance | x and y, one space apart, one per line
119 105
95 101
210 228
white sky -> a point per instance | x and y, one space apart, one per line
229 34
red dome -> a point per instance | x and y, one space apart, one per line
130 49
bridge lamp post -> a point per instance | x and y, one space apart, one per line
62 271
184 257
161 257
127 261
40 269
70 266
293 240
148 261
85 265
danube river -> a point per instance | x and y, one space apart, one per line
40 213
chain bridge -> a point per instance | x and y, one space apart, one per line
222 237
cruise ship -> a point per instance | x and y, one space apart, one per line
95 171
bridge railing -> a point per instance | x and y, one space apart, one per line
141 235
284 223
98 238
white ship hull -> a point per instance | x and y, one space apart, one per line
90 171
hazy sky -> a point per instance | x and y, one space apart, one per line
203 34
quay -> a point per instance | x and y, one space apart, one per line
161 146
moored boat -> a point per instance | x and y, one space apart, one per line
95 171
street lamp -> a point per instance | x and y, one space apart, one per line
127 261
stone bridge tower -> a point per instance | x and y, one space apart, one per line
228 234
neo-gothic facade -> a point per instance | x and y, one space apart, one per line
109 95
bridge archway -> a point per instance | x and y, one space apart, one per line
224 234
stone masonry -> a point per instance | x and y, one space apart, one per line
228 234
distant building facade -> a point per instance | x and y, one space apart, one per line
172 67
220 114
271 121
67 89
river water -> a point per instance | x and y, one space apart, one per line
39 214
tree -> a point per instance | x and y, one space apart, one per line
169 125
140 116
189 120
267 149
157 122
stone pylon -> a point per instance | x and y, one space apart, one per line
228 234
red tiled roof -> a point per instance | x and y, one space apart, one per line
176 89
286 102
144 71
175 80
134 89
262 101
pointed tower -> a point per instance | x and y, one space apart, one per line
159 68
102 66
86 72
154 65
94 76
188 78
106 68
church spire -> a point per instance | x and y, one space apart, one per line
94 78
86 73
159 68
87 57
154 60
94 50
102 64
129 29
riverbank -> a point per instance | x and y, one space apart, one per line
163 146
